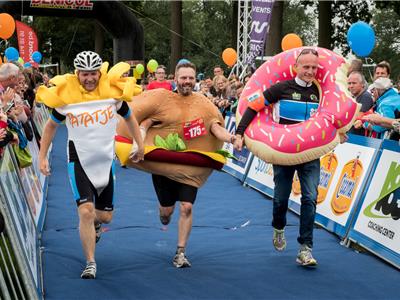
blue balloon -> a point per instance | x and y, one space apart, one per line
27 65
361 38
183 61
36 56
11 54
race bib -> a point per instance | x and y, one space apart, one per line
193 129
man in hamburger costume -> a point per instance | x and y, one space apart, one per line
182 132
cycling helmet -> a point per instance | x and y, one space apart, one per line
87 61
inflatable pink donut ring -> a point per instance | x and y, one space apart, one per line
299 143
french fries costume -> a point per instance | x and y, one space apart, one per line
91 117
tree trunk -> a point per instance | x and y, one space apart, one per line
98 38
325 29
235 7
176 39
273 42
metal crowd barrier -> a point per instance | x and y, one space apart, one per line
22 208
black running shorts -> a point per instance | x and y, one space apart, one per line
169 191
84 191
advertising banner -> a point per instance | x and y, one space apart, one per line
63 4
344 173
238 168
261 12
27 41
377 224
261 176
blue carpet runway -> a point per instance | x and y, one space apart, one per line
230 249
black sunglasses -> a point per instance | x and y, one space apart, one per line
307 51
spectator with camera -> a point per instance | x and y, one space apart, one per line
224 97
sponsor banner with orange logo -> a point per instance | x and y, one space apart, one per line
237 168
377 223
344 172
343 175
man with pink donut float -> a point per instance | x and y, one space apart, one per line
295 100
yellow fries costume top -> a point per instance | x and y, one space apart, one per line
91 117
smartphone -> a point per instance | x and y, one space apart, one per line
9 106
26 102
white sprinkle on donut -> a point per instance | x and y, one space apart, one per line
263 131
300 138
268 71
284 74
322 100
326 75
338 106
347 114
332 119
326 122
316 124
281 139
326 92
312 138
287 129
332 78
336 94
291 71
327 53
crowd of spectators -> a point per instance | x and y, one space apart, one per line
380 98
223 91
17 104
380 102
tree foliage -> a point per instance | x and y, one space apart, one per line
59 42
386 23
299 18
345 14
208 29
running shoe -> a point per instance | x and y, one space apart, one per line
305 258
181 261
279 240
97 227
90 271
